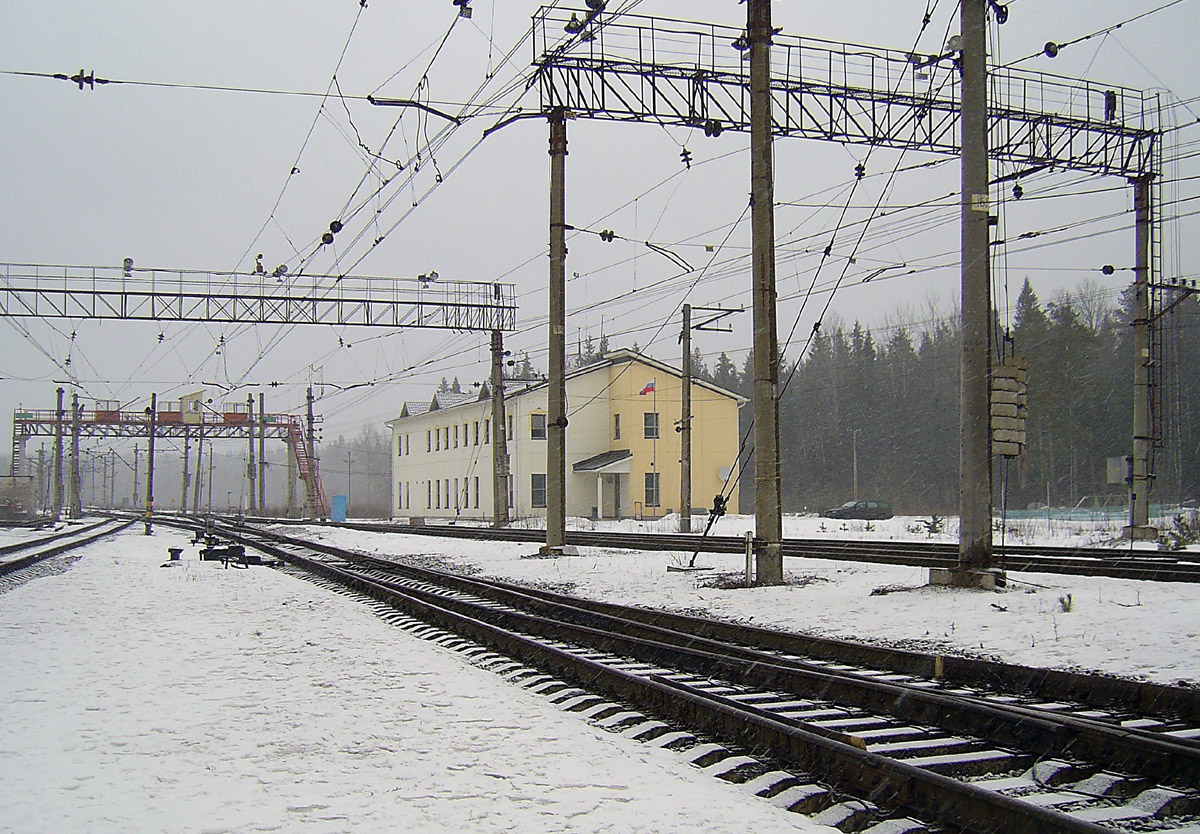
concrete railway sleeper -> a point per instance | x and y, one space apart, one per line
1168 709
793 791
728 695
1122 741
1120 564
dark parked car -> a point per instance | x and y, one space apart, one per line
869 510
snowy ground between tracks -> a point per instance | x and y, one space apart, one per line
196 699
1124 627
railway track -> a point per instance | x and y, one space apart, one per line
1078 561
956 744
23 560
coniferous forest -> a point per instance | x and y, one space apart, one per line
890 400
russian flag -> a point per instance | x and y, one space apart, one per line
648 389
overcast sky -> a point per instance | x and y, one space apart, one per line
187 178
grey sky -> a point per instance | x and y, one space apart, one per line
186 178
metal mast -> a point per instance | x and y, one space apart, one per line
1140 477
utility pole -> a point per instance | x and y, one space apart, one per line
58 456
350 478
685 427
134 501
975 479
252 505
556 419
499 435
1141 479
76 486
262 454
112 487
103 479
187 454
768 499
150 464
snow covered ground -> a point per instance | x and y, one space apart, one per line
1124 627
196 699
190 698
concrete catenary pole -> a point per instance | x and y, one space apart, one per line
768 500
499 435
685 427
252 499
58 456
153 425
1141 478
262 453
187 475
975 487
291 482
556 429
75 488
311 510
42 480
198 484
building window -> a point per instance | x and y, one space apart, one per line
446 432
652 489
487 432
537 490
437 440
477 490
616 427
429 495
407 446
399 495
509 436
537 426
476 432
399 447
428 441
511 490
650 425
456 435
456 480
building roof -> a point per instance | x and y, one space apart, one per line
600 462
449 399
446 399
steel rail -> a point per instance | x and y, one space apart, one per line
886 781
13 565
26 544
1076 561
1044 733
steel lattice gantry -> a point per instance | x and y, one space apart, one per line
30 290
675 73
689 74
29 423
